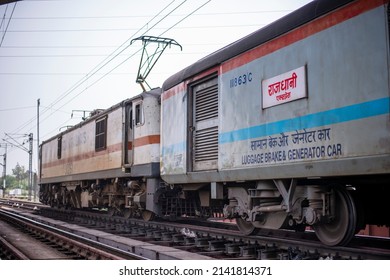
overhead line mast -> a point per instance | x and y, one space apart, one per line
16 144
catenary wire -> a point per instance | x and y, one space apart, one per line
88 76
121 63
98 68
118 65
142 16
3 19
5 32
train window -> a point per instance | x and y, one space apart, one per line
101 134
131 118
59 147
139 119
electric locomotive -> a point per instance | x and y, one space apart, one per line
110 160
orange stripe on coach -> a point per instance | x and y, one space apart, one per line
340 15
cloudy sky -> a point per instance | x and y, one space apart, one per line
76 54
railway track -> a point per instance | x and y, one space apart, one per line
24 238
224 241
160 240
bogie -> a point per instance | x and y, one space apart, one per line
330 210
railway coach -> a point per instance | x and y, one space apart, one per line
286 128
290 124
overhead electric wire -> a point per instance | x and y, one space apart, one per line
130 56
16 108
55 47
194 11
144 16
105 62
127 29
2 38
3 19
71 90
88 76
109 59
72 55
102 64
118 65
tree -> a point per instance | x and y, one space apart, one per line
20 174
11 182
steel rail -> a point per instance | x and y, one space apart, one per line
282 241
86 247
12 249
285 240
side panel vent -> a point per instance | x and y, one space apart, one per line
206 102
205 134
206 144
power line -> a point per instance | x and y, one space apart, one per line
96 81
56 129
194 11
77 55
16 108
146 16
2 39
78 47
114 54
94 71
52 55
99 66
53 74
55 47
72 30
5 13
118 65
26 107
127 29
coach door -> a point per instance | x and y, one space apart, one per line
129 135
203 125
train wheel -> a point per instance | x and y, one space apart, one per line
111 211
147 215
342 229
127 213
245 227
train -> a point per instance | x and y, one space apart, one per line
286 128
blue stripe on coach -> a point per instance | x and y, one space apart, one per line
349 113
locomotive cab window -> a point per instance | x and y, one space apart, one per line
131 118
139 116
101 134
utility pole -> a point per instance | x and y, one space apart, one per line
30 152
38 167
4 170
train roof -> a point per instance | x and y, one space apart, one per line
283 25
155 93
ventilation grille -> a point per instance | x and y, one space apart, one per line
206 103
206 133
206 141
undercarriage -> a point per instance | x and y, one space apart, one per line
118 197
334 210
